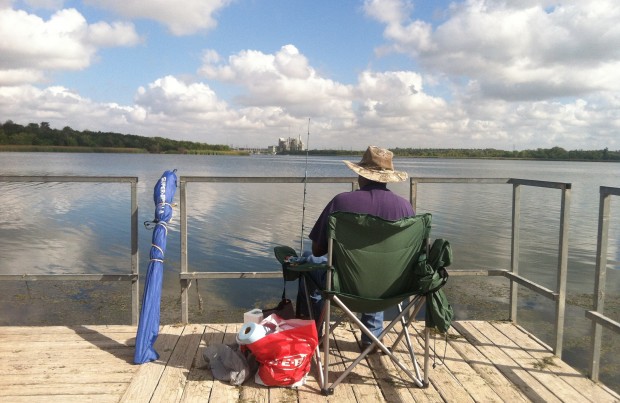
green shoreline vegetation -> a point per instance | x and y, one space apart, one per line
36 137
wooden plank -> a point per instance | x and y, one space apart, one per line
49 368
64 398
223 391
68 334
69 345
74 377
147 377
9 337
440 377
52 389
76 329
174 377
454 379
361 379
310 392
59 362
343 392
37 362
429 394
550 381
282 394
529 385
200 379
395 385
47 350
484 368
252 392
584 386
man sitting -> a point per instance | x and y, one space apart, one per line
374 171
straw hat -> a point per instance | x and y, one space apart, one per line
376 165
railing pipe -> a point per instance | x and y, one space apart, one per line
597 317
560 303
514 249
134 262
186 277
135 270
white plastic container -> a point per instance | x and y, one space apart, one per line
254 316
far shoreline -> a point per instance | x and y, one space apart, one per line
326 153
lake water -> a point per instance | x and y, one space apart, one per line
85 228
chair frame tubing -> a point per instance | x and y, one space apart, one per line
411 310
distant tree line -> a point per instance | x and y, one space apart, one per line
42 137
555 153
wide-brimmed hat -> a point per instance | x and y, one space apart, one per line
376 165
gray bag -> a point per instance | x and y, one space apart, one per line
227 363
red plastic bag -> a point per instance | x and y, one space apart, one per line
285 355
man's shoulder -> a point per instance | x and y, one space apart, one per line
346 197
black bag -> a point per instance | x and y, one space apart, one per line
282 253
284 309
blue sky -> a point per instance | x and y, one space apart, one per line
395 73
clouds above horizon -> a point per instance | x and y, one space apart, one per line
500 74
31 46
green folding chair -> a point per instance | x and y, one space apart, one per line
374 264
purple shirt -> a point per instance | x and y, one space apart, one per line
375 199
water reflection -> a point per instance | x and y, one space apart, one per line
63 227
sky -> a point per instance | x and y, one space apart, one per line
510 75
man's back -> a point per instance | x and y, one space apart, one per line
373 198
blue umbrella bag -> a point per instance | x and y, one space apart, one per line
148 326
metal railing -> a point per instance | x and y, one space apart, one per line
558 295
599 320
133 277
186 277
596 316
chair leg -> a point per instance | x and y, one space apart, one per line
375 340
326 331
405 331
418 303
308 302
427 345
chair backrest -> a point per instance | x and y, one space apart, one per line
374 258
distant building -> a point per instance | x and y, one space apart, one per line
290 144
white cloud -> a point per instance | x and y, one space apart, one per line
516 50
18 76
118 33
31 46
181 18
481 66
284 79
172 97
279 92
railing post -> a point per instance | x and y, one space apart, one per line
413 194
135 283
599 281
185 284
514 249
560 303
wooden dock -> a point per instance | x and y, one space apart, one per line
484 362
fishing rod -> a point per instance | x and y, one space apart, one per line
303 207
